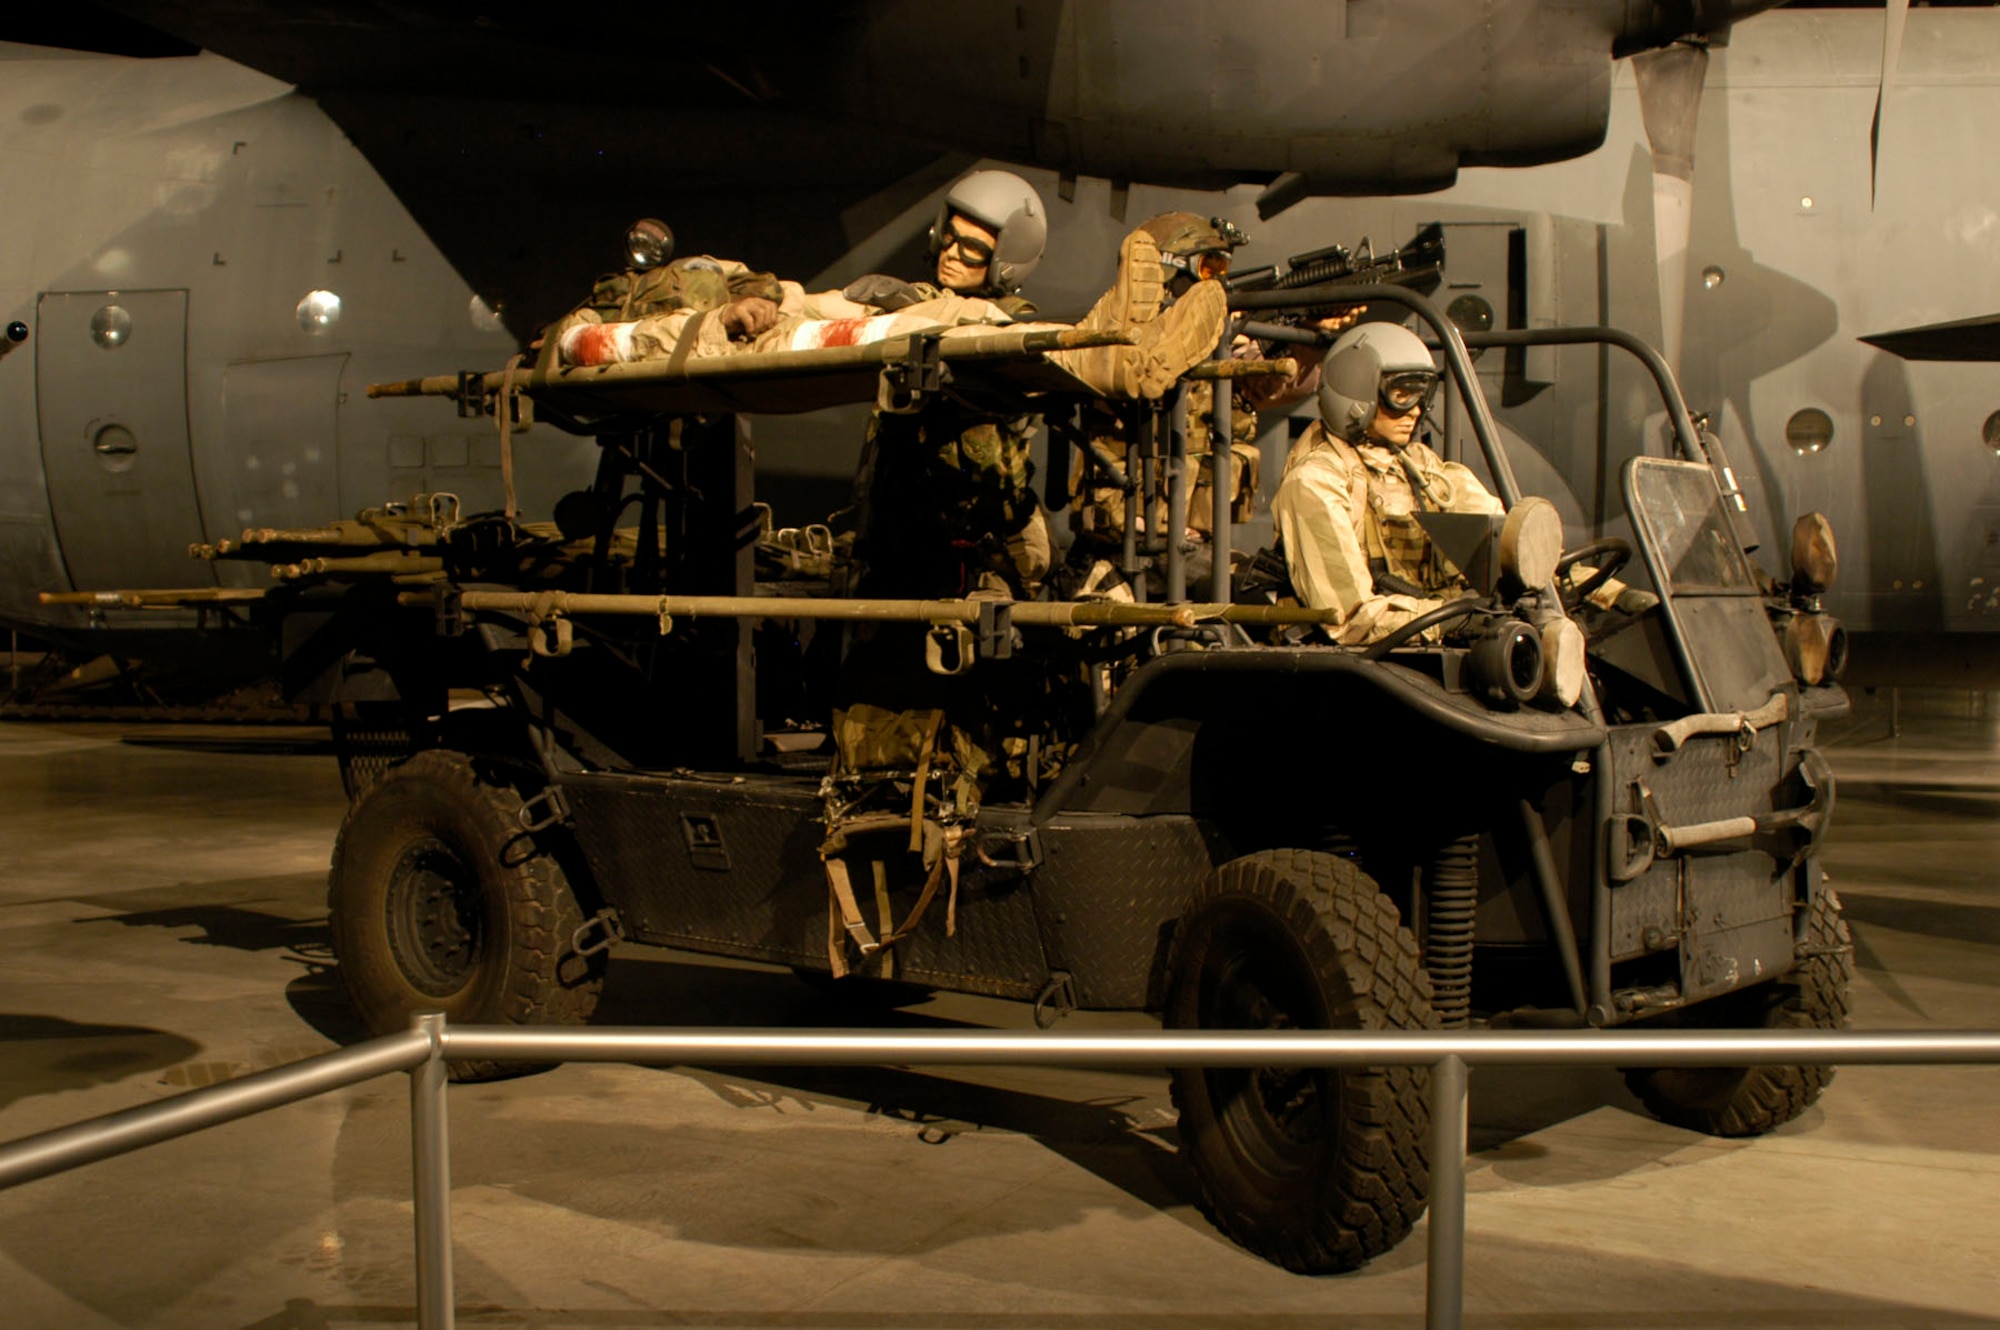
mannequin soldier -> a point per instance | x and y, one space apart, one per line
1347 507
1195 249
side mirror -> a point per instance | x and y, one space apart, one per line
649 242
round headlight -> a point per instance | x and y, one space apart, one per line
1531 541
649 242
1815 562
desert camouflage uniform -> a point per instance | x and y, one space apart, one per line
1346 514
697 283
948 508
1098 516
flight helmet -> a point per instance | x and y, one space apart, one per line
1008 206
1190 244
1375 365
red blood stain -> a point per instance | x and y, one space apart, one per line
841 332
596 344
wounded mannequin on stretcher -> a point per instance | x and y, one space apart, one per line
703 307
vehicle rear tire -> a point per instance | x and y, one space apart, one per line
1749 1101
438 901
1317 1170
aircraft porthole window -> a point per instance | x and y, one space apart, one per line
1471 313
1809 431
1712 277
318 311
1909 422
115 447
111 327
1990 431
1874 421
484 317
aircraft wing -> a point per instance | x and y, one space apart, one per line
1961 340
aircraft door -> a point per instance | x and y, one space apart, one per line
111 393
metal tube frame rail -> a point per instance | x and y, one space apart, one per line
424 1049
1686 435
1457 359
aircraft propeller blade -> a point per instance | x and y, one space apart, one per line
1670 85
1894 15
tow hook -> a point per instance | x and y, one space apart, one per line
544 810
1056 1000
608 928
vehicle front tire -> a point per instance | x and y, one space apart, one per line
1749 1101
438 901
1315 1169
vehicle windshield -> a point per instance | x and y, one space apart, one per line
1681 516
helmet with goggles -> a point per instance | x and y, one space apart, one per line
1189 243
1374 366
1009 207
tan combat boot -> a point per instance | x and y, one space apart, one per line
1136 292
1169 342
1131 305
1186 334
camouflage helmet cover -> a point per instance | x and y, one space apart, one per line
1185 233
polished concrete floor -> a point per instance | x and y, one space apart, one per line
162 926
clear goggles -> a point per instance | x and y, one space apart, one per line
1405 390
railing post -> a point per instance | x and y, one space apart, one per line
1444 1288
430 1159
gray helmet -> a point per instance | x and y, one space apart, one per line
1012 210
1360 366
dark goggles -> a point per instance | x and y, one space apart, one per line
976 253
1406 390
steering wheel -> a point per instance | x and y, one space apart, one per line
1614 552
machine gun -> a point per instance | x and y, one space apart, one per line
1419 265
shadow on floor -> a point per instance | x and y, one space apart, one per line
230 926
48 1055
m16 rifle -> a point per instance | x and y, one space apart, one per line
1418 265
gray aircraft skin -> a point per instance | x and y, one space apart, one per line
207 201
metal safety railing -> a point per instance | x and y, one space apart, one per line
423 1050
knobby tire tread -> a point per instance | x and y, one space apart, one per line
1755 1100
544 982
1368 965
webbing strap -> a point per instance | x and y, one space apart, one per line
506 414
690 334
925 750
844 911
942 849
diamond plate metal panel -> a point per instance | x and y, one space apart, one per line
1699 783
998 948
1652 901
732 869
735 870
1110 890
1723 906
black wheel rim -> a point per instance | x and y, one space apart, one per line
437 918
1274 1118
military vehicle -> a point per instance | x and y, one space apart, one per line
206 204
563 735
